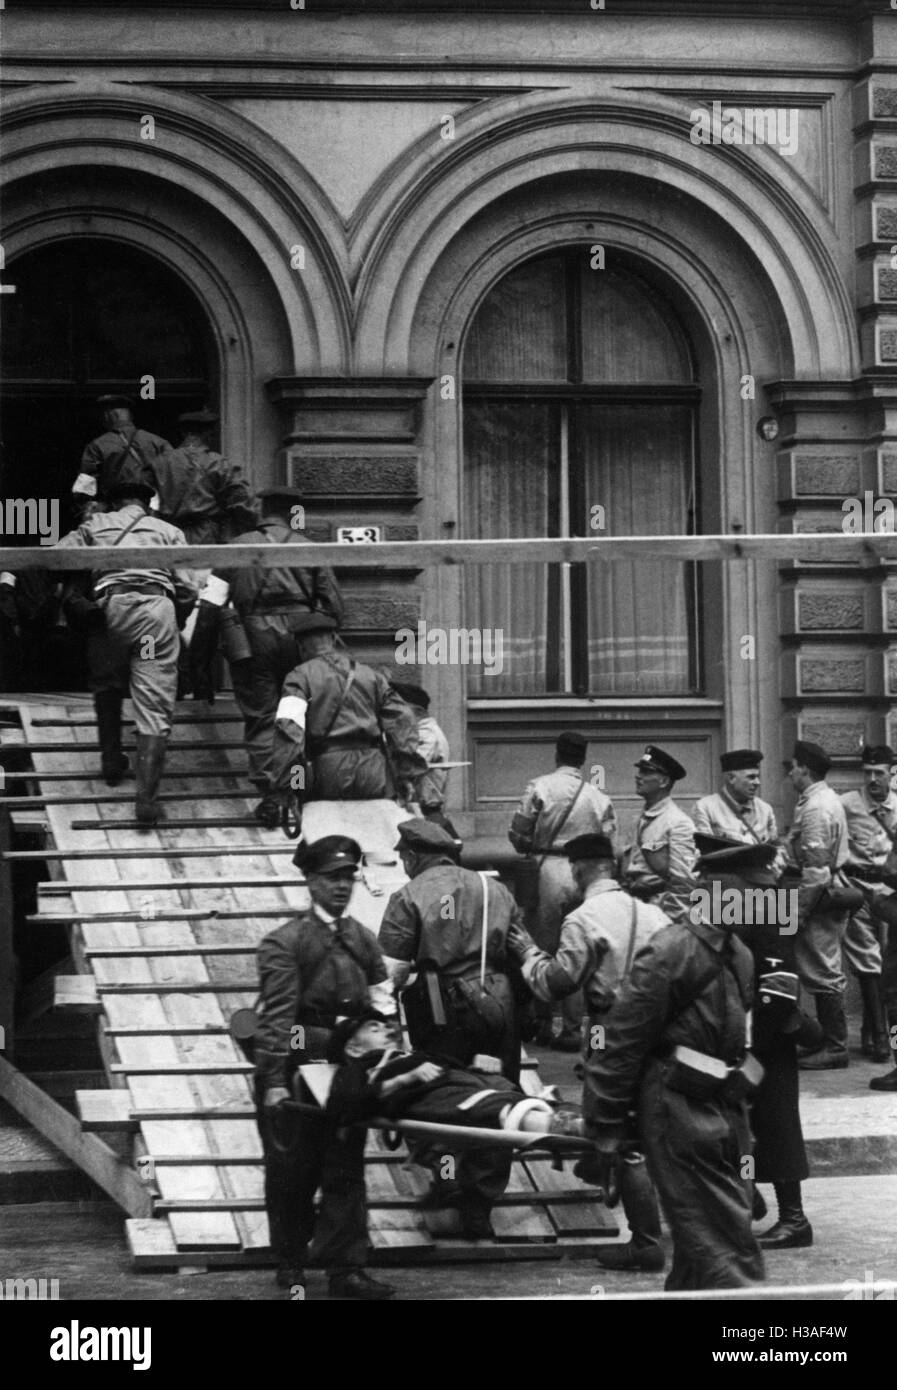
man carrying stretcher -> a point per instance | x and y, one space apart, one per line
377 1078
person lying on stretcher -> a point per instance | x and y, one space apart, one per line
377 1078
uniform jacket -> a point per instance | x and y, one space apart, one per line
818 840
105 528
871 827
435 921
314 692
309 966
656 1009
543 805
594 947
197 487
129 454
663 854
453 1098
255 591
720 814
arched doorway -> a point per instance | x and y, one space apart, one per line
90 316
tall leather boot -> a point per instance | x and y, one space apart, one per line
150 760
832 1056
792 1231
888 1082
875 1031
114 763
644 1250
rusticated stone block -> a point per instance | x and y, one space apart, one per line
841 738
382 612
884 102
889 473
892 673
830 612
891 608
887 344
828 475
340 475
885 223
887 284
324 531
886 161
823 674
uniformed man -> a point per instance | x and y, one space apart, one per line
316 969
871 815
818 846
662 856
737 812
779 1026
690 987
556 808
142 610
434 924
341 731
122 453
198 489
272 606
429 790
597 946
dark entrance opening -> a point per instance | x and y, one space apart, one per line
88 316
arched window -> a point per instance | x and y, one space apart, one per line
580 408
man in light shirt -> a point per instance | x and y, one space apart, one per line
737 812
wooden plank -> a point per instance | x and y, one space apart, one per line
63 887
7 947
144 852
190 914
836 545
18 803
76 992
150 1243
521 1223
87 1151
172 823
101 1111
576 1215
130 952
182 1068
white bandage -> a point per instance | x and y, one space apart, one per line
292 708
515 1116
86 484
7 578
382 998
216 591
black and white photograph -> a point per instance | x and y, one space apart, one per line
448 666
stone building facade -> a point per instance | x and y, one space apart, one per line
466 270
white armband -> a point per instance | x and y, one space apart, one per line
7 578
216 591
292 708
86 484
382 998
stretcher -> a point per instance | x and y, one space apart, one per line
318 1077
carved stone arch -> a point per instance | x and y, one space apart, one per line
517 142
202 150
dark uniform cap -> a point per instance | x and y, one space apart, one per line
344 1032
709 844
589 847
810 755
412 694
654 757
121 487
876 753
738 858
571 747
426 837
110 402
198 417
325 855
739 758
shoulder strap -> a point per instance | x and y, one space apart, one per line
130 527
484 929
630 950
562 822
320 738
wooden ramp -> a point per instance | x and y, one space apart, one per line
164 927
